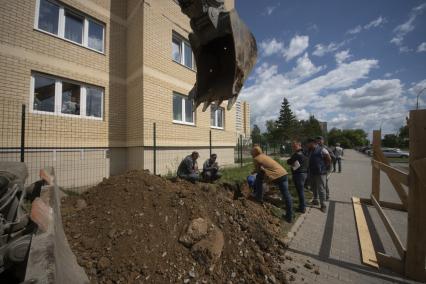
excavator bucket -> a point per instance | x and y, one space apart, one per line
225 51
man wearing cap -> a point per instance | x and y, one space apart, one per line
267 167
211 169
338 152
188 168
319 160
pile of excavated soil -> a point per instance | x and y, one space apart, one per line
137 227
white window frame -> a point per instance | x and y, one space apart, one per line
182 42
61 25
58 98
183 121
216 117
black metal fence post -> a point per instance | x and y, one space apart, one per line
23 134
155 148
241 150
210 143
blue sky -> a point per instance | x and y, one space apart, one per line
354 64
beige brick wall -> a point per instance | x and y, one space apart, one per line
136 71
24 49
168 159
164 76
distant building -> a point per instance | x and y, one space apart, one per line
323 125
242 119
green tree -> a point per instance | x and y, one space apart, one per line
348 138
309 128
286 122
255 134
403 137
390 140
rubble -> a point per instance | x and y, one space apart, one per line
139 228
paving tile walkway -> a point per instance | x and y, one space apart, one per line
329 240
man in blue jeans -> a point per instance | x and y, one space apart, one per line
266 167
299 167
319 160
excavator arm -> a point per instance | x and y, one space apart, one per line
225 51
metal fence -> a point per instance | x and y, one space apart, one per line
83 151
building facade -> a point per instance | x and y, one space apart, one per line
242 119
97 77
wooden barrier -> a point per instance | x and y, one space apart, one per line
413 254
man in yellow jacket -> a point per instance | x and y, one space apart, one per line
267 167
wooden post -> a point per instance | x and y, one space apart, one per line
416 234
375 185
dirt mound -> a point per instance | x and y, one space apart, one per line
138 228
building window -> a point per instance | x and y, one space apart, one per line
70 25
94 102
182 51
44 94
217 117
71 94
183 109
74 27
58 96
48 17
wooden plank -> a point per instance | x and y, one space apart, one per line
385 204
392 172
395 238
390 262
368 253
416 234
380 157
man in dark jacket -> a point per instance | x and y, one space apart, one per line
299 167
211 169
320 141
319 161
188 168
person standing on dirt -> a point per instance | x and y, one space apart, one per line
319 160
265 166
188 168
338 152
211 169
320 141
299 167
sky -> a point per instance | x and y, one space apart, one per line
354 64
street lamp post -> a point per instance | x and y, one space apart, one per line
418 95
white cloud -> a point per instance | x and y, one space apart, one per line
321 50
421 47
304 68
403 29
266 94
271 46
297 46
374 93
376 23
270 9
355 30
373 24
388 75
342 56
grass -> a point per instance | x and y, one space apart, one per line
398 160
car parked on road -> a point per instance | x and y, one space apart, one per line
395 153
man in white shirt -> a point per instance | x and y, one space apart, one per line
338 152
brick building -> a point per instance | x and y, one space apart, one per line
95 75
242 116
